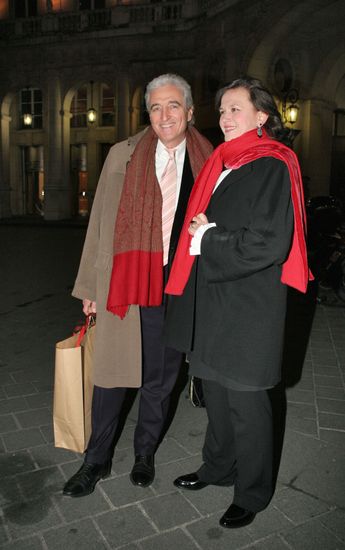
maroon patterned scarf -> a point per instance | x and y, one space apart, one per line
137 273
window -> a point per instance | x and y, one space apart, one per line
79 108
339 123
25 8
107 106
91 4
31 104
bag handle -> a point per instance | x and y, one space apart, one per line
81 331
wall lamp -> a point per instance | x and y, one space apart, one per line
27 119
91 113
290 108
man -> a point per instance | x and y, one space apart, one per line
144 186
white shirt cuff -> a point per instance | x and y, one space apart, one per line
195 244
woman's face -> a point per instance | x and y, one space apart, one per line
238 114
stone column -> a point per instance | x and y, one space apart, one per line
316 144
57 204
5 190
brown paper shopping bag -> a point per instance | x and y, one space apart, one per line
73 390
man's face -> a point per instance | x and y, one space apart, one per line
168 114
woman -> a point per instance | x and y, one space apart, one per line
242 243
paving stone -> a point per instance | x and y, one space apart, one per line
169 450
210 499
23 439
331 405
10 491
331 393
270 521
39 400
321 475
169 541
6 378
15 463
7 423
13 405
46 455
301 410
326 370
323 357
302 425
333 421
166 473
332 436
26 518
312 536
44 481
297 506
167 511
36 417
3 535
123 461
295 395
332 381
210 536
273 542
121 491
14 390
117 526
77 508
43 386
32 543
48 433
335 522
75 536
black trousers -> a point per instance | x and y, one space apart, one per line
238 445
160 370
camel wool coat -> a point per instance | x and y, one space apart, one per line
117 345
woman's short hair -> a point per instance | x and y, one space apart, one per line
262 100
172 80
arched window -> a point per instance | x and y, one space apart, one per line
79 108
31 108
91 4
107 106
25 8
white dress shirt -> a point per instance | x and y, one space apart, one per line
195 244
161 160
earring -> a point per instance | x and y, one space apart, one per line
259 130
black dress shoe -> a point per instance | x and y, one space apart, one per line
143 471
190 482
235 516
84 481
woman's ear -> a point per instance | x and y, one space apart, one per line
262 118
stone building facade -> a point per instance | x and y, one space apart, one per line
61 58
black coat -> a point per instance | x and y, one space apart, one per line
232 312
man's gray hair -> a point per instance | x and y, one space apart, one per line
172 80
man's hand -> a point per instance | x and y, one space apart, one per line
89 307
197 221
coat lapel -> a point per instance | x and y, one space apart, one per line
234 176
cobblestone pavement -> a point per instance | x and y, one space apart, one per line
38 266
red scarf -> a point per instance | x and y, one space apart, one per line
137 274
234 154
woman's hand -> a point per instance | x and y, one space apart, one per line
197 221
89 307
